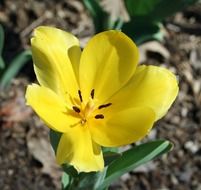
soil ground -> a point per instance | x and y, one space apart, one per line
26 159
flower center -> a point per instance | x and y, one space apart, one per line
88 110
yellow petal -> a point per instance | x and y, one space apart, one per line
50 107
77 148
107 63
56 57
122 127
151 86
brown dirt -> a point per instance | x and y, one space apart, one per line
21 167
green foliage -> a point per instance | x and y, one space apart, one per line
101 19
116 164
54 139
8 72
16 64
2 64
140 31
146 17
110 156
133 158
155 10
99 16
65 180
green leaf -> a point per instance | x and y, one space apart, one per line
99 16
110 156
1 39
133 158
101 19
14 68
155 10
2 64
119 23
70 170
54 139
84 181
140 7
110 149
167 8
90 180
147 15
141 31
65 180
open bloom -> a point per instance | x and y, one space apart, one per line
98 97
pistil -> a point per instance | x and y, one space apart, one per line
85 110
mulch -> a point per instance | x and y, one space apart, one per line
26 159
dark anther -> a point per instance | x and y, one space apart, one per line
76 109
92 94
99 116
80 95
104 105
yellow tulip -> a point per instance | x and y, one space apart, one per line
98 97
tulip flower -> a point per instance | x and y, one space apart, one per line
98 97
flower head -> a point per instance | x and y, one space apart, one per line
98 97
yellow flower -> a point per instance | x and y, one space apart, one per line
98 97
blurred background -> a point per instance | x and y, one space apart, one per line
168 34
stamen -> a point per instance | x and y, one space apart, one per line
99 116
80 95
92 94
104 105
76 109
